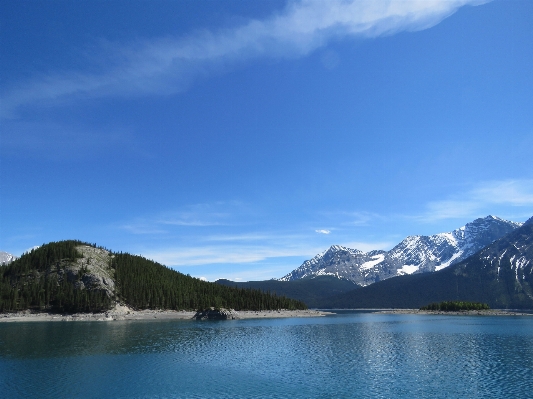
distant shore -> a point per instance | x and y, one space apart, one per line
489 312
128 314
124 313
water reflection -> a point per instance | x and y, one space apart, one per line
350 355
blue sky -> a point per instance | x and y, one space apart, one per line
236 139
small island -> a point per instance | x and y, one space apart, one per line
456 306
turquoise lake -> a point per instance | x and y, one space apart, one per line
348 355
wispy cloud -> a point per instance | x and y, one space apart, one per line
509 192
353 218
485 197
204 255
53 140
239 234
168 65
198 215
362 218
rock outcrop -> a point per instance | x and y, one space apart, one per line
216 314
91 272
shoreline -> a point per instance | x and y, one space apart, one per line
123 313
149 314
488 312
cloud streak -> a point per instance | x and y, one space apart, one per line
169 65
483 198
204 255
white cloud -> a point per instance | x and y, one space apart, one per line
511 192
53 140
198 215
323 231
31 249
204 255
168 65
483 199
274 247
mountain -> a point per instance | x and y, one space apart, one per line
6 258
73 276
500 275
311 291
414 255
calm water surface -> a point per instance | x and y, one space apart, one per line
350 355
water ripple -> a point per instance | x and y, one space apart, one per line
350 355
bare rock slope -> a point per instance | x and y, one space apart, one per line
415 254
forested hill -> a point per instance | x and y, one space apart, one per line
74 276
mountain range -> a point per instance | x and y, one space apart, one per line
501 275
489 260
413 255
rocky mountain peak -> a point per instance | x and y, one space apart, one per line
6 257
414 254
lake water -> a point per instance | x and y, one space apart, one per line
349 355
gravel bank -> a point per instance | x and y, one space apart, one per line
123 313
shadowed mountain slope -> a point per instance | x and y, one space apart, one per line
311 291
500 275
415 254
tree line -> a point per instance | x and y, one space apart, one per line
455 306
37 280
145 284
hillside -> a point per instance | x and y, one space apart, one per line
500 275
413 255
312 291
73 276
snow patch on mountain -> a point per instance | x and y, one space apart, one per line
6 257
408 269
415 254
371 263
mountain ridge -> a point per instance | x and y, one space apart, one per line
501 275
413 255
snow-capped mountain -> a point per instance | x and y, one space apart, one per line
500 274
510 257
6 258
415 254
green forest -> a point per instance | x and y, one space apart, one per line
39 280
455 306
144 284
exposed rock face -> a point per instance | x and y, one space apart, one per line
92 272
415 254
96 274
216 314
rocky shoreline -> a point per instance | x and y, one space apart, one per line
124 313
